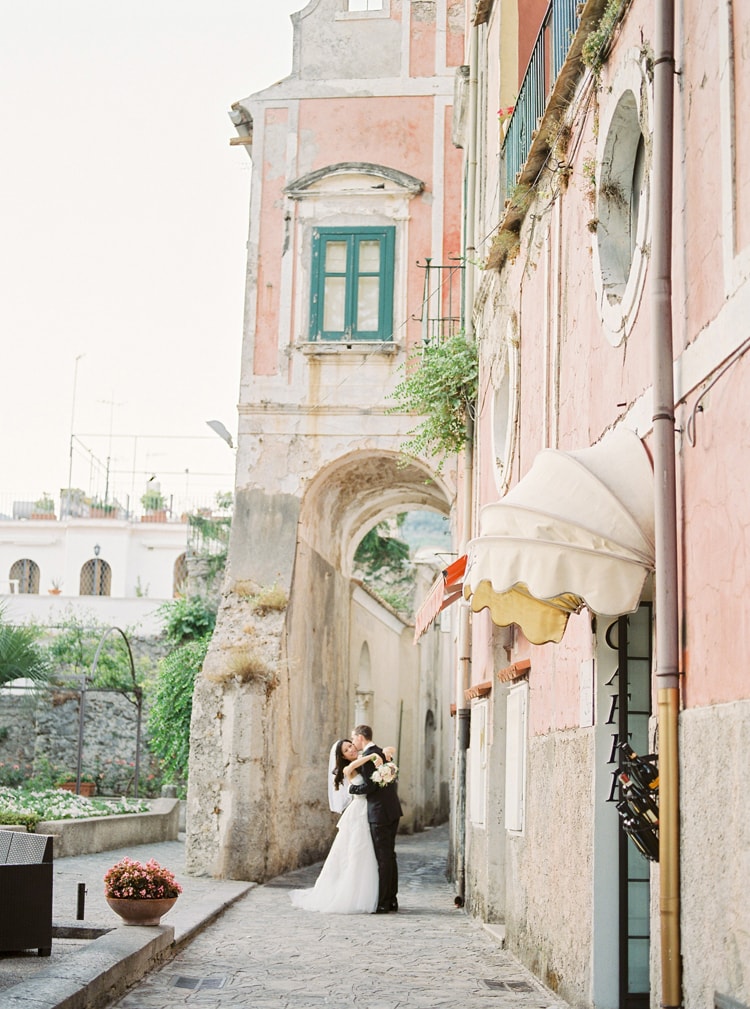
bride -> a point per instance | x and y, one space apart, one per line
348 881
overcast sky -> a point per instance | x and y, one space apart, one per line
123 222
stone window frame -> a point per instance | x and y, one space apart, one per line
351 195
504 372
517 704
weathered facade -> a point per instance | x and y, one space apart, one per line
355 180
610 231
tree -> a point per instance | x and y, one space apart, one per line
21 654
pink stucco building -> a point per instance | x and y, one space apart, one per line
610 481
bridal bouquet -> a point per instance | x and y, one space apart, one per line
385 774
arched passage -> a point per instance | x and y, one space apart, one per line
267 734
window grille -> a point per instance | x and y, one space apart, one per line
96 578
440 313
26 573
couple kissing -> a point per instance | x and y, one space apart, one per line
360 874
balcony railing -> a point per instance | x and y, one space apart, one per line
547 58
440 313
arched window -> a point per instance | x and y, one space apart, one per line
96 578
26 573
180 577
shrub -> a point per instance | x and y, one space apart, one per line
187 619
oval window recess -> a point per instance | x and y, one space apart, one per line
622 218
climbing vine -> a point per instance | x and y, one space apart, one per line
440 385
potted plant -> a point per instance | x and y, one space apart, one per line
140 894
102 509
67 782
154 504
56 587
44 507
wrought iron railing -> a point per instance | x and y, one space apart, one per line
547 58
441 302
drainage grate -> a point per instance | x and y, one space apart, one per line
509 985
199 983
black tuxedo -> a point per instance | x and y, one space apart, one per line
383 813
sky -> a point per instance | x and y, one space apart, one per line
123 225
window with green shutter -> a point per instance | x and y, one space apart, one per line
351 295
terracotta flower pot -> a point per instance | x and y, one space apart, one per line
141 911
88 788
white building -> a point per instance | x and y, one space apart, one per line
117 570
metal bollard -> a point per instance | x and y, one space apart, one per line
81 910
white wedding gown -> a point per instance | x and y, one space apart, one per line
348 881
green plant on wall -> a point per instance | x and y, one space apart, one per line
171 706
440 386
187 619
596 46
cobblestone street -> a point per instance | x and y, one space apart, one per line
265 954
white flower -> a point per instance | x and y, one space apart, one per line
385 774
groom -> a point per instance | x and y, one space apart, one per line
383 814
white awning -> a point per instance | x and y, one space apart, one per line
577 530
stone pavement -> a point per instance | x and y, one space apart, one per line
82 972
234 944
264 954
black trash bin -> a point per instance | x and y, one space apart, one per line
25 891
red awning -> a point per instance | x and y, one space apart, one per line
447 589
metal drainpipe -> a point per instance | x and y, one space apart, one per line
665 511
463 672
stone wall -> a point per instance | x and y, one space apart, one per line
39 730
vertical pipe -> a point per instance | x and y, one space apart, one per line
665 508
463 670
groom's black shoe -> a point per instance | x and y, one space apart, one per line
381 910
393 906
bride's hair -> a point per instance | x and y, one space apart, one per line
339 764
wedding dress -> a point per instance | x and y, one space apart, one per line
348 881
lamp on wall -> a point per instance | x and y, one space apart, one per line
97 550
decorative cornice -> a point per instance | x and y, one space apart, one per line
297 409
299 188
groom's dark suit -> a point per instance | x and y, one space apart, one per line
383 813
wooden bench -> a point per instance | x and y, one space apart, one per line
25 891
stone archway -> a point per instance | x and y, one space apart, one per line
277 687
